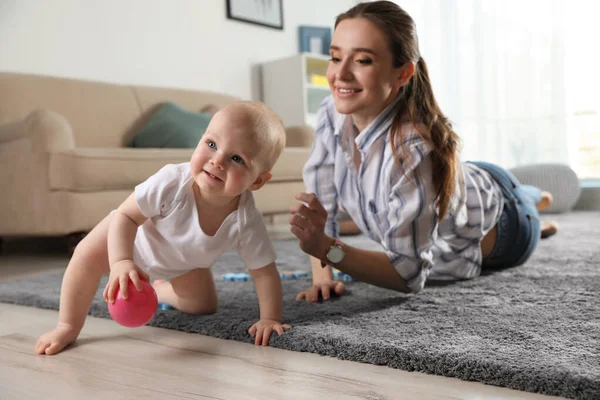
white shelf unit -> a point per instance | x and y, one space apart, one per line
288 88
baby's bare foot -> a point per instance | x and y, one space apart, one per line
56 340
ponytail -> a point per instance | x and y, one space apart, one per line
435 129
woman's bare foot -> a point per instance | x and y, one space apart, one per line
545 201
56 340
548 228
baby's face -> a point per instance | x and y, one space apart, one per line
227 161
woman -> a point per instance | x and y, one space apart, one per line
386 153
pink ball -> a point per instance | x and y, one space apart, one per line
139 307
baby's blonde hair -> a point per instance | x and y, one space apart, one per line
269 131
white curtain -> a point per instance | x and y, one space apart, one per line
498 72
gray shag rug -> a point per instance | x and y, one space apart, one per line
534 328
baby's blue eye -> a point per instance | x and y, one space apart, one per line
211 144
237 159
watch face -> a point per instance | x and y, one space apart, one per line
335 254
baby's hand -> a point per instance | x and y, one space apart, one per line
263 329
120 273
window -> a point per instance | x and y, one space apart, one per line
583 87
520 79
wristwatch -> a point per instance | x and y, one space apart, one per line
335 254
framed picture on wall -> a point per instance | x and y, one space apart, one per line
314 39
267 13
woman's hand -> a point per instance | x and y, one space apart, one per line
308 224
262 330
120 274
324 288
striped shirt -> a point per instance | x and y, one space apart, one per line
396 209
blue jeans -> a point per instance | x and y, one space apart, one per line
518 229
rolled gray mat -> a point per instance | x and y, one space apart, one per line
558 179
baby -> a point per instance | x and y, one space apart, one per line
176 223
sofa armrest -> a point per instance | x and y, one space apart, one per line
27 204
45 126
299 136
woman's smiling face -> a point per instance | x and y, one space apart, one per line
360 74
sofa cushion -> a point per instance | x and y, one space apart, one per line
172 126
96 169
86 169
99 113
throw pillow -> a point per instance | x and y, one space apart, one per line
172 126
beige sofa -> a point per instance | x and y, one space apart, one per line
63 164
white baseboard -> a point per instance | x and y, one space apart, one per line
590 196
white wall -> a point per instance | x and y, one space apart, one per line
175 43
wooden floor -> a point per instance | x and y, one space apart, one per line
112 362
